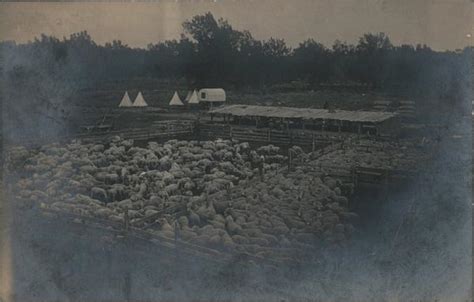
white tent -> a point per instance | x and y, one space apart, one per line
175 100
193 99
139 101
188 96
126 102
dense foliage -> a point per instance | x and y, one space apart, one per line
211 52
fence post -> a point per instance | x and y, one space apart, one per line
126 219
289 159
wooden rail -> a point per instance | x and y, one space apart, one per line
363 175
270 136
214 255
161 129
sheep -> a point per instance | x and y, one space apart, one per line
142 190
117 192
208 230
164 225
101 176
167 178
125 204
111 178
221 205
232 227
99 194
165 163
103 212
127 144
83 199
198 178
194 218
206 212
258 241
134 214
124 173
97 148
172 189
87 181
217 224
89 169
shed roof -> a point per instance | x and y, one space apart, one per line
304 113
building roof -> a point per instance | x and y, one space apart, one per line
304 113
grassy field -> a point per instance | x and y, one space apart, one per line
158 94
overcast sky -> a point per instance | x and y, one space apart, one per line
441 24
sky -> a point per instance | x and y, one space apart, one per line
441 24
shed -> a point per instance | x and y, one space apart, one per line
332 120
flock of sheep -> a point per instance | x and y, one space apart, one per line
209 193
405 155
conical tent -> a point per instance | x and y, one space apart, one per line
126 102
139 101
188 96
194 98
175 100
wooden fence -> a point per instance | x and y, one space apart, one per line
359 175
292 137
170 245
157 130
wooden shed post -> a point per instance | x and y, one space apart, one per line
312 142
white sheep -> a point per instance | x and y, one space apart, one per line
98 193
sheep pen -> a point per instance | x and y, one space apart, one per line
215 194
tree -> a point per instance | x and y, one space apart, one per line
217 48
372 51
342 62
311 61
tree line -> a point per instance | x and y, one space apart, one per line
210 52
39 78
